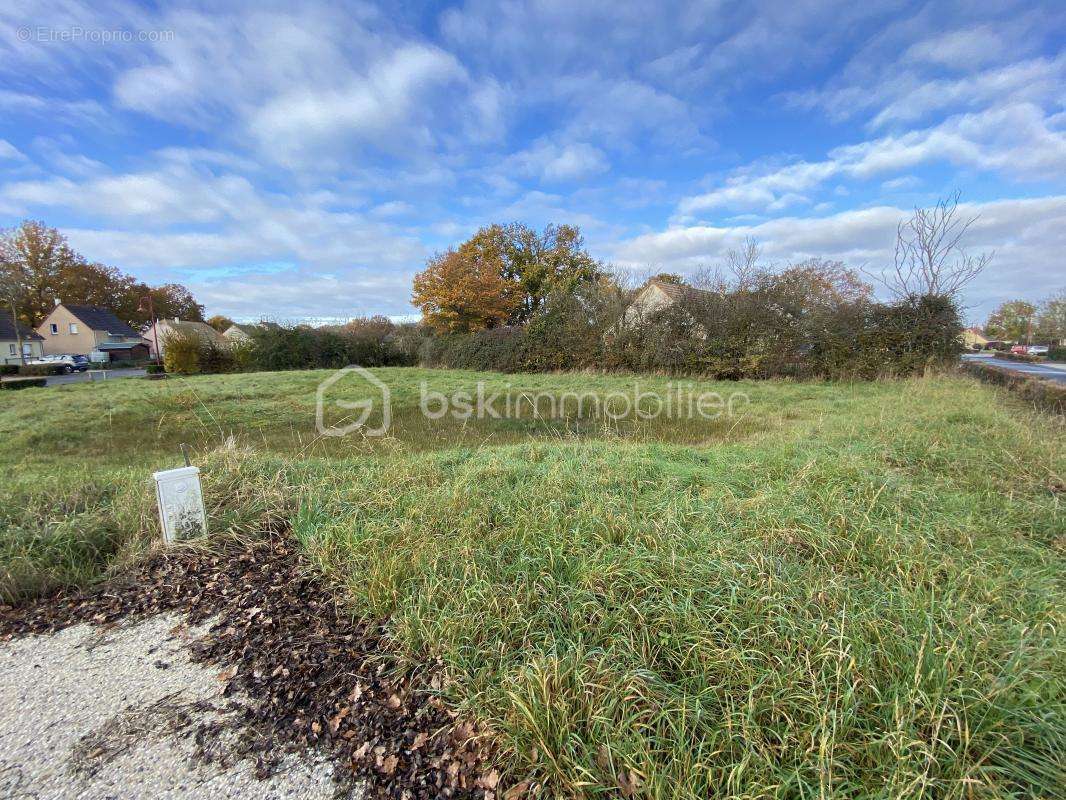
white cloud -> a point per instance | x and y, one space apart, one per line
558 162
1016 140
8 152
962 49
1028 237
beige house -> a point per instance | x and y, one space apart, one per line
973 339
164 328
656 296
239 333
81 330
32 343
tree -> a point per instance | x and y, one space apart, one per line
464 290
930 259
40 268
668 277
172 300
1051 318
220 323
1011 321
35 257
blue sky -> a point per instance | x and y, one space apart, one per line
302 160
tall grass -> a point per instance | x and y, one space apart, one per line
851 591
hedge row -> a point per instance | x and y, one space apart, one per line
42 369
23 383
1023 357
860 340
1045 394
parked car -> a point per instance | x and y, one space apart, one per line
1037 350
1019 349
71 363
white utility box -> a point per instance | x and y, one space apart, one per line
181 503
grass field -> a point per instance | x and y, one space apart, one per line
846 590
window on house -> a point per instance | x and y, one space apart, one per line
55 329
73 327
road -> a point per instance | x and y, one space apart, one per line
85 377
1048 372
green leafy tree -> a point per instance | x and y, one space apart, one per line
39 267
1051 318
1011 321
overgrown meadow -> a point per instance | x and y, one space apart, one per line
847 590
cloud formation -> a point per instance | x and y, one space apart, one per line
307 158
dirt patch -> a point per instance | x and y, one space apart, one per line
309 675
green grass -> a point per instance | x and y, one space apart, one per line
850 590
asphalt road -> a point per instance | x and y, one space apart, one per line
1056 372
85 377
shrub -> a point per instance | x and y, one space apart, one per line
23 383
9 369
182 353
1048 395
1057 354
1023 357
374 342
42 369
154 369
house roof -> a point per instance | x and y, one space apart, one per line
100 319
7 330
677 291
188 326
107 346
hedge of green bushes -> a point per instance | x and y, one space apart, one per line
856 340
755 334
23 383
1045 394
42 369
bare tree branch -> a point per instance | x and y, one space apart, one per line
929 258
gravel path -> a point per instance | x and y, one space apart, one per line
94 714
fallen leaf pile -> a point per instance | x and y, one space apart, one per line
308 675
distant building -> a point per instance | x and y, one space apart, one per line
81 330
974 339
32 342
657 295
164 328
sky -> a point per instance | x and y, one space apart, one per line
302 160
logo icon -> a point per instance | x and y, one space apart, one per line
349 377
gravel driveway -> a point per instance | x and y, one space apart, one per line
96 714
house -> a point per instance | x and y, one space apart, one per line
32 342
171 327
239 333
657 295
83 330
973 339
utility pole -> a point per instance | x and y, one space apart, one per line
18 330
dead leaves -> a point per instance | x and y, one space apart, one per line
309 676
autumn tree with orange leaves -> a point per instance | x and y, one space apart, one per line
502 275
464 290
